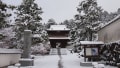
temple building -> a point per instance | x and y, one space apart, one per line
58 34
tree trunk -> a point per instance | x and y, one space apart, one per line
90 35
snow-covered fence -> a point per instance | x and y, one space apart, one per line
9 56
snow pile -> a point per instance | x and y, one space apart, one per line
98 66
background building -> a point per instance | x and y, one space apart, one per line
110 32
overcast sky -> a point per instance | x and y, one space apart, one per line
61 10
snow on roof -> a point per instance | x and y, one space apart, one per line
118 41
26 59
1 42
116 18
91 42
59 38
10 51
58 27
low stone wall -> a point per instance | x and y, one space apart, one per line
9 56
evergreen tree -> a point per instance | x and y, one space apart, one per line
50 22
28 17
87 19
3 15
118 11
69 23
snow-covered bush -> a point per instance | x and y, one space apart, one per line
7 37
40 49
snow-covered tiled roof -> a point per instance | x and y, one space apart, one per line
90 42
58 27
116 18
59 38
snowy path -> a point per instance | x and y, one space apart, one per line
51 61
68 61
72 61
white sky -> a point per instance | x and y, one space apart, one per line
61 10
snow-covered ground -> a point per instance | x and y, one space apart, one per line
51 61
72 61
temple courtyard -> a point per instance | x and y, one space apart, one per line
53 61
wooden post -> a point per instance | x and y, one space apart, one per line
84 54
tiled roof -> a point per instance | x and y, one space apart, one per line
58 27
113 20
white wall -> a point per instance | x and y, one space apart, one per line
110 33
9 58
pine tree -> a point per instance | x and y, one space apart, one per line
50 22
69 23
87 18
118 11
28 17
3 15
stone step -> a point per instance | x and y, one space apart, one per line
54 51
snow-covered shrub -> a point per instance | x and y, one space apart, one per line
6 36
47 46
39 49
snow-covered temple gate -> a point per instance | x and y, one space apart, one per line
58 34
